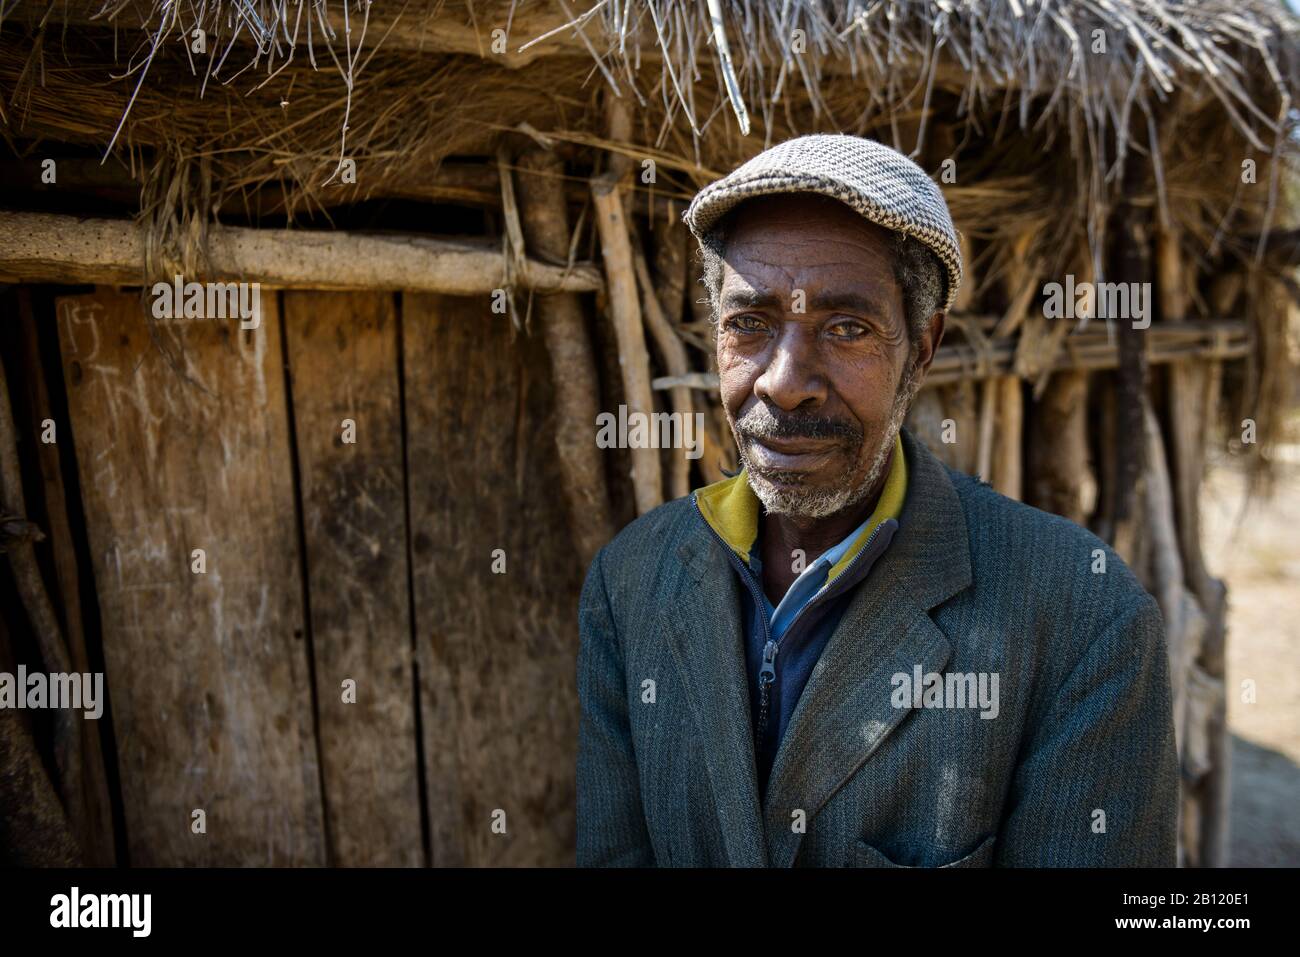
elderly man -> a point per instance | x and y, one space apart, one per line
849 654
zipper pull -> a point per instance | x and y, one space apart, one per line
766 675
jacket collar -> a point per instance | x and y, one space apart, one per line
844 712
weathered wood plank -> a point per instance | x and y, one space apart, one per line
342 350
496 651
180 432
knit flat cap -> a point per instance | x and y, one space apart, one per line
873 180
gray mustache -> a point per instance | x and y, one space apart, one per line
761 422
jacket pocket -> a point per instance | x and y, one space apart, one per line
866 855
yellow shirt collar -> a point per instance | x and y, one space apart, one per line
731 508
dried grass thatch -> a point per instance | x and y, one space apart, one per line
1094 73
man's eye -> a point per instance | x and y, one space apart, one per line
848 329
745 323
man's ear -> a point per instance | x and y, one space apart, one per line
929 345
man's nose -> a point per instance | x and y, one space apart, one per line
792 377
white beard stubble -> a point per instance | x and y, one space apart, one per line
802 501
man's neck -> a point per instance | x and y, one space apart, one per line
782 535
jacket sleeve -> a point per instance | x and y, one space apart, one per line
1097 784
611 823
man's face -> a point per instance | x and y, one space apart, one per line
813 352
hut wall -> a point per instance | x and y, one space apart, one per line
381 625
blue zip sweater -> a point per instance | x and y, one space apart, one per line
795 653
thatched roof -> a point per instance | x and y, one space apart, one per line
304 81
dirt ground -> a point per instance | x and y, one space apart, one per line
1253 543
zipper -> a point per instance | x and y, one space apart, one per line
766 678
767 669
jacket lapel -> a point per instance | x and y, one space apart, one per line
704 623
844 712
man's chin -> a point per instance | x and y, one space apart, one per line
783 479
796 495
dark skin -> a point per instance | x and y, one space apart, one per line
842 358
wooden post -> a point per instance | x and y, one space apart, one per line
1007 441
674 355
573 364
987 421
1132 266
1057 449
1191 391
1002 406
1184 625
670 272
625 310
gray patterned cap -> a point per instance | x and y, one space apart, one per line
873 180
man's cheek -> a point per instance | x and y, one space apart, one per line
735 382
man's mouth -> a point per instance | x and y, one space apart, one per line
789 454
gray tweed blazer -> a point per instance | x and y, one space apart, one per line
1077 769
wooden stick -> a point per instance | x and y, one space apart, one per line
1185 623
43 247
624 301
1057 467
625 314
723 50
1022 286
37 829
97 838
40 611
670 253
988 413
715 457
674 355
573 363
1132 265
1171 277
1007 440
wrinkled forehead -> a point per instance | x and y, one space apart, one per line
780 243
